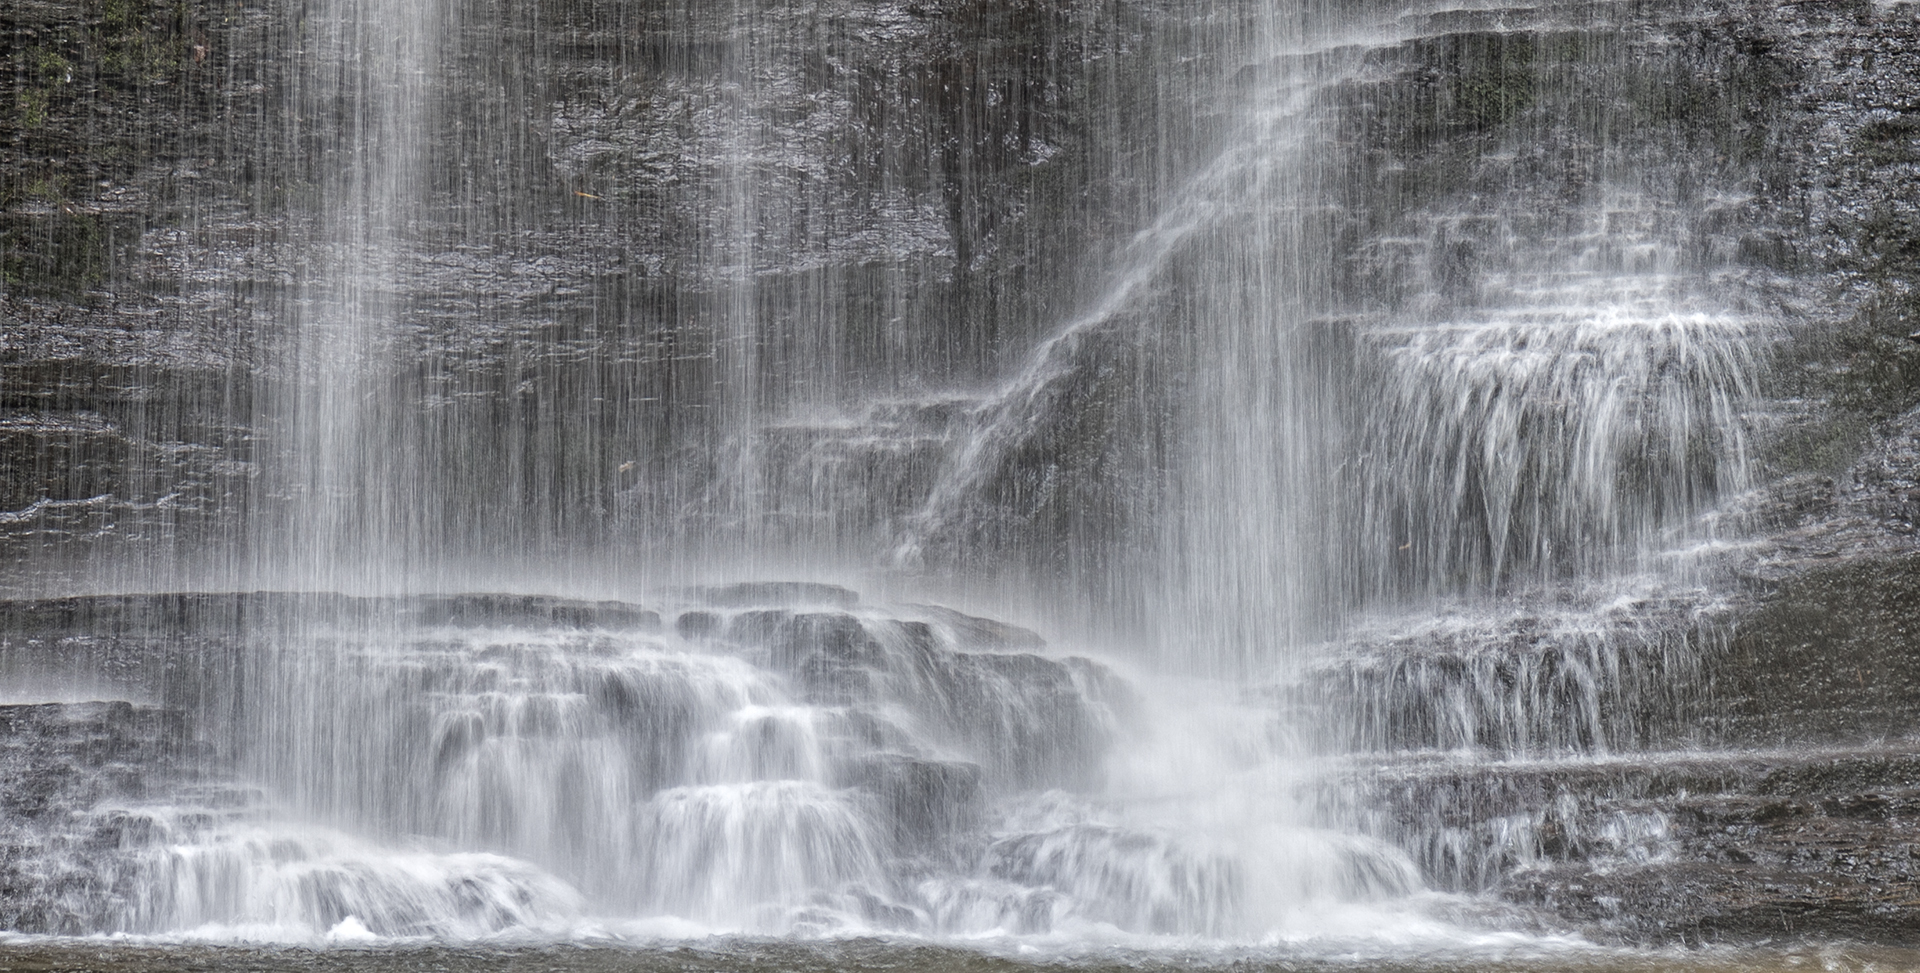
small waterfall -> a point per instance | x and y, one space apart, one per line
1551 442
343 498
185 873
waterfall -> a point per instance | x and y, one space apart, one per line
1332 492
343 499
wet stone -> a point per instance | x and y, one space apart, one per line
533 610
758 627
926 802
697 625
986 634
768 594
835 639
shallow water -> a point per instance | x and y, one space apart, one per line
875 955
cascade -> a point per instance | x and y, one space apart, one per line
1385 496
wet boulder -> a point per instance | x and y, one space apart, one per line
697 625
532 610
926 802
755 629
764 594
830 655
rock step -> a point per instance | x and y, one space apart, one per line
1690 846
888 457
1540 679
1823 655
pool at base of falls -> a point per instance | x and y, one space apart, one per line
654 952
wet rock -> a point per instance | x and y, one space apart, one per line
697 625
834 638
927 803
943 158
1026 716
1537 678
872 746
59 761
757 628
533 610
1691 848
773 594
831 655
139 324
985 634
1828 656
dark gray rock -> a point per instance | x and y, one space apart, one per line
697 625
928 803
532 610
974 632
774 594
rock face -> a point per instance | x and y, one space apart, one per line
881 199
637 215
